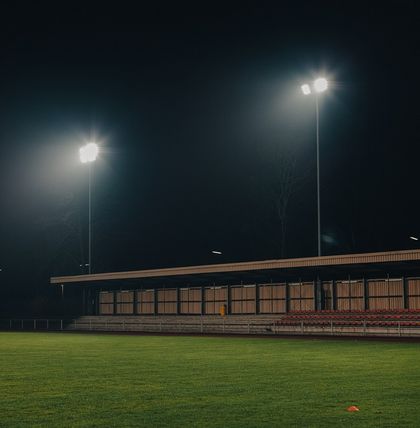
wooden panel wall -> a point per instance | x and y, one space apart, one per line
190 300
272 298
343 295
125 302
214 298
301 296
106 303
413 293
350 295
386 294
167 301
242 299
146 302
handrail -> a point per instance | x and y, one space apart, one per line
221 325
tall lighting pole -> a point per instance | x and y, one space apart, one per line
318 86
88 154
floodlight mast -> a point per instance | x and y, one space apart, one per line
319 85
88 154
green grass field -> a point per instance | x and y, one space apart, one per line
64 380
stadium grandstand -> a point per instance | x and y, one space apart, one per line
369 293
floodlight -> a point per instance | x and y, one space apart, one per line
306 89
321 84
414 238
88 153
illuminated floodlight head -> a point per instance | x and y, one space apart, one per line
306 89
88 153
321 84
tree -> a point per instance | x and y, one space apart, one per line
285 181
285 184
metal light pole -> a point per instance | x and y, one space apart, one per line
317 176
319 85
90 220
88 154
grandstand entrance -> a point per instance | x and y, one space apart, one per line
89 302
326 296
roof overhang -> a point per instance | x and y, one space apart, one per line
364 260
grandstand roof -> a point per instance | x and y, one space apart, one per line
407 260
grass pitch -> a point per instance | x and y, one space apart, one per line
65 380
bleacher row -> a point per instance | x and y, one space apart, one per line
210 324
378 322
385 318
387 322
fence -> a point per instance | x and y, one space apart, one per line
214 325
152 324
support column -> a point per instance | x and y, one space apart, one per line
318 294
366 294
405 293
88 302
155 301
257 299
203 302
287 302
333 295
228 300
350 295
83 301
177 300
135 300
115 302
95 301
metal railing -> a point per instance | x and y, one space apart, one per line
202 325
363 327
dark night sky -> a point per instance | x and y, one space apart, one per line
192 107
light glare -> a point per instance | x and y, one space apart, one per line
88 153
306 89
321 84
